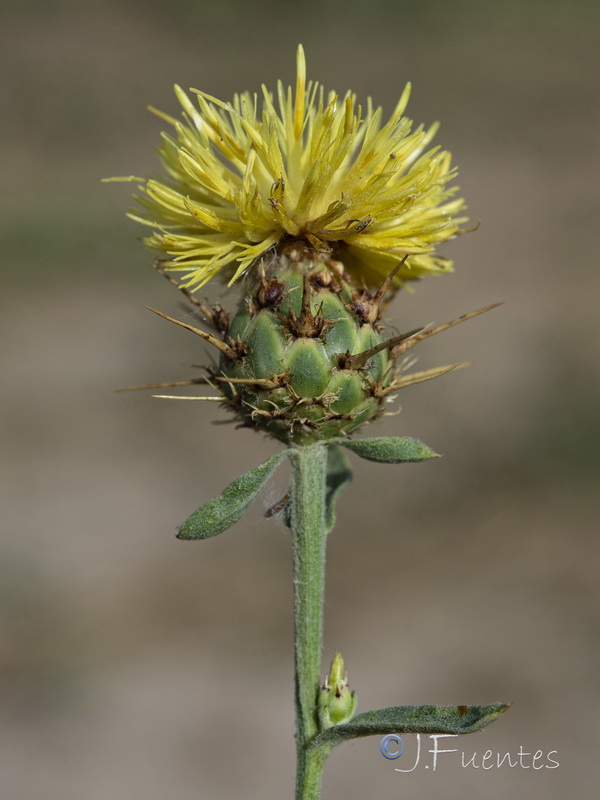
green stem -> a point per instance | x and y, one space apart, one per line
308 481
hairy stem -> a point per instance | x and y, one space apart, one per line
308 480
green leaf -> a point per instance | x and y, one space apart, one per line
224 511
390 449
411 719
339 477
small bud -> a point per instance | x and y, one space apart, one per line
336 703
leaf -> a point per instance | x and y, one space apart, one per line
390 449
224 511
339 477
411 719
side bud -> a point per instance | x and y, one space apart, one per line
336 703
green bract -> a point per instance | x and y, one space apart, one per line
304 363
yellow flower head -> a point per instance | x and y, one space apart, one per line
244 175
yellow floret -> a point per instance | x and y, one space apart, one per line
244 175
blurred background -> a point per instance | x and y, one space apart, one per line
137 666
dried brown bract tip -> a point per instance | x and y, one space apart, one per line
368 307
307 325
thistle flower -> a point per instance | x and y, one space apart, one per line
349 208
243 176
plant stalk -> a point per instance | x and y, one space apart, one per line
308 483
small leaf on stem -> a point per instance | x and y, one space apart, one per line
339 477
412 719
224 511
390 449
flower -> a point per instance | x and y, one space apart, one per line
243 176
